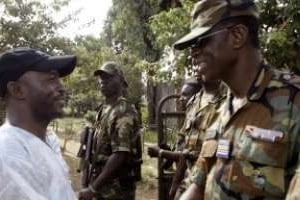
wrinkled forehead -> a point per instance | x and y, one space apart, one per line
37 75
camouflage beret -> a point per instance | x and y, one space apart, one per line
207 13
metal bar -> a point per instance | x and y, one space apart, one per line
162 191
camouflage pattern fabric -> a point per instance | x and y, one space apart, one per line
294 190
201 112
207 13
116 130
251 151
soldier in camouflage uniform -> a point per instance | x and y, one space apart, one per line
251 150
190 87
294 190
200 113
115 141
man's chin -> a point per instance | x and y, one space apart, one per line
208 78
58 114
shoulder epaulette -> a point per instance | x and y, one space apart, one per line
191 100
121 105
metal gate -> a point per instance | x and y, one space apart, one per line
164 177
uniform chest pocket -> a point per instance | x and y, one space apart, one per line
262 146
210 144
194 140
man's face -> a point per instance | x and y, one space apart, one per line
110 85
187 91
210 55
44 93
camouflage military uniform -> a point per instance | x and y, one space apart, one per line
251 151
294 190
116 130
200 114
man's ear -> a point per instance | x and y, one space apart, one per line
240 34
15 89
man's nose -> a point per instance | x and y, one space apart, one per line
61 88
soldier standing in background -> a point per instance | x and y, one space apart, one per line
188 90
199 116
251 151
190 87
200 112
115 145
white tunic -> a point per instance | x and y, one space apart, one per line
30 169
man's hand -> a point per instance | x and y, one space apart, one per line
194 192
153 151
173 191
85 194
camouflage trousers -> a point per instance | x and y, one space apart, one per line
185 183
182 188
115 191
130 195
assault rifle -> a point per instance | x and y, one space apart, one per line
138 158
85 155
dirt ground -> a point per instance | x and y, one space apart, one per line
146 189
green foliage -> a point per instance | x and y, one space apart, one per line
85 95
280 23
90 116
145 115
30 23
92 53
68 123
126 25
150 137
281 32
169 25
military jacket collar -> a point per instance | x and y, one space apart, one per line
260 83
257 90
268 78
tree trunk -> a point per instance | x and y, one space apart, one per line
151 98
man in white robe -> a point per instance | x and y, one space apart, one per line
31 165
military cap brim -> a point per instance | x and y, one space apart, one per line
187 40
101 72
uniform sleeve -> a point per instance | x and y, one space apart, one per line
123 134
199 172
294 192
204 162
